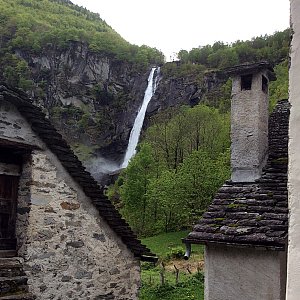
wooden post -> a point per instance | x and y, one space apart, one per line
162 274
177 274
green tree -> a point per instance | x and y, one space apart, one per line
168 209
135 205
199 177
279 87
181 163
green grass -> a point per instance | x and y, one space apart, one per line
192 288
162 244
189 286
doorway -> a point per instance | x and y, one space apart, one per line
8 211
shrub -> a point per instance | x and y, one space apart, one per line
175 252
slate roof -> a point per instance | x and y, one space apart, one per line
253 214
248 68
54 141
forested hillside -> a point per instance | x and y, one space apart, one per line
273 48
35 26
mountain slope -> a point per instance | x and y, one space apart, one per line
32 25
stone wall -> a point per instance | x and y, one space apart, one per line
69 252
293 279
243 273
249 129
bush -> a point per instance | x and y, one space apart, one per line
175 253
147 266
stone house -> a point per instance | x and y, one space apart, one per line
245 228
60 237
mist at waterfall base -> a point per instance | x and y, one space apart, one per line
102 168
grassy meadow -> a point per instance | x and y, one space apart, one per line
170 250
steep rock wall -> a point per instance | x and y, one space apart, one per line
186 90
75 84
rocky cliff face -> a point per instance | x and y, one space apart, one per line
92 99
186 90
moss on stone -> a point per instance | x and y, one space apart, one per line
236 205
213 225
258 218
281 160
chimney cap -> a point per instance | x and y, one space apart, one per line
248 68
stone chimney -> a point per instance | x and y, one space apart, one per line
249 119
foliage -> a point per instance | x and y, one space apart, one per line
69 114
16 72
225 101
273 48
183 69
180 165
279 88
134 190
34 26
190 286
176 133
175 253
162 244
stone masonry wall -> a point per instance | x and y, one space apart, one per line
249 129
69 252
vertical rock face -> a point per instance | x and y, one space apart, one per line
75 84
186 90
69 75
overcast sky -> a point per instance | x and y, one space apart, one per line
172 25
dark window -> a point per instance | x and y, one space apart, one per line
264 84
10 162
246 82
8 207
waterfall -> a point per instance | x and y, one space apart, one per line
139 120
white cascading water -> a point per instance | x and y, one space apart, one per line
139 120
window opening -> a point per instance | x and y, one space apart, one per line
246 82
10 167
264 84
